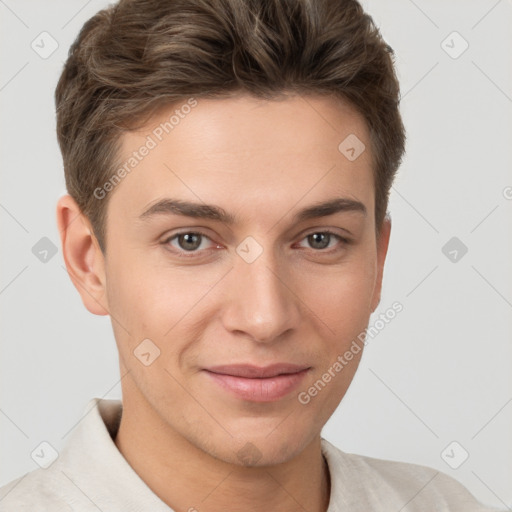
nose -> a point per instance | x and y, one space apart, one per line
260 299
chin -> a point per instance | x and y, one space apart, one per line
269 449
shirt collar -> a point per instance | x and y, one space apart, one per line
94 464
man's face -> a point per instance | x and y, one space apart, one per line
268 287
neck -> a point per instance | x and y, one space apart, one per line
188 479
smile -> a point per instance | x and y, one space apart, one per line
257 384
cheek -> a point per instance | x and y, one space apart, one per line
342 299
134 302
139 291
159 303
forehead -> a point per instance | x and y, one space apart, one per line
246 152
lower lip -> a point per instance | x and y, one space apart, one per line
268 389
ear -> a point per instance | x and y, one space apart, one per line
83 257
382 249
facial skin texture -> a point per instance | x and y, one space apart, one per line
261 161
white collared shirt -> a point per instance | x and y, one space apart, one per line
91 474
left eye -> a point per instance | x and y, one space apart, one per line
321 239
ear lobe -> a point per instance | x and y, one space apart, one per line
82 255
382 249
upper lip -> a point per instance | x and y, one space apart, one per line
257 372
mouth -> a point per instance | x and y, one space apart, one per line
258 384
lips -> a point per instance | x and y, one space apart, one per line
258 384
257 372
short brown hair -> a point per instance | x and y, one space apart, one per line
138 55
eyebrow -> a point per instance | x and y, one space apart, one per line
170 206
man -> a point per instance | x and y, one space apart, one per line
228 165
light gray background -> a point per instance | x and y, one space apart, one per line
439 372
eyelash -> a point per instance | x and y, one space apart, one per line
194 254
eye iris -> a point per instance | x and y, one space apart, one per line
189 238
317 237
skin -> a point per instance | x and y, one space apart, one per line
262 161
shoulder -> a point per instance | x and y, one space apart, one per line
400 485
34 491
